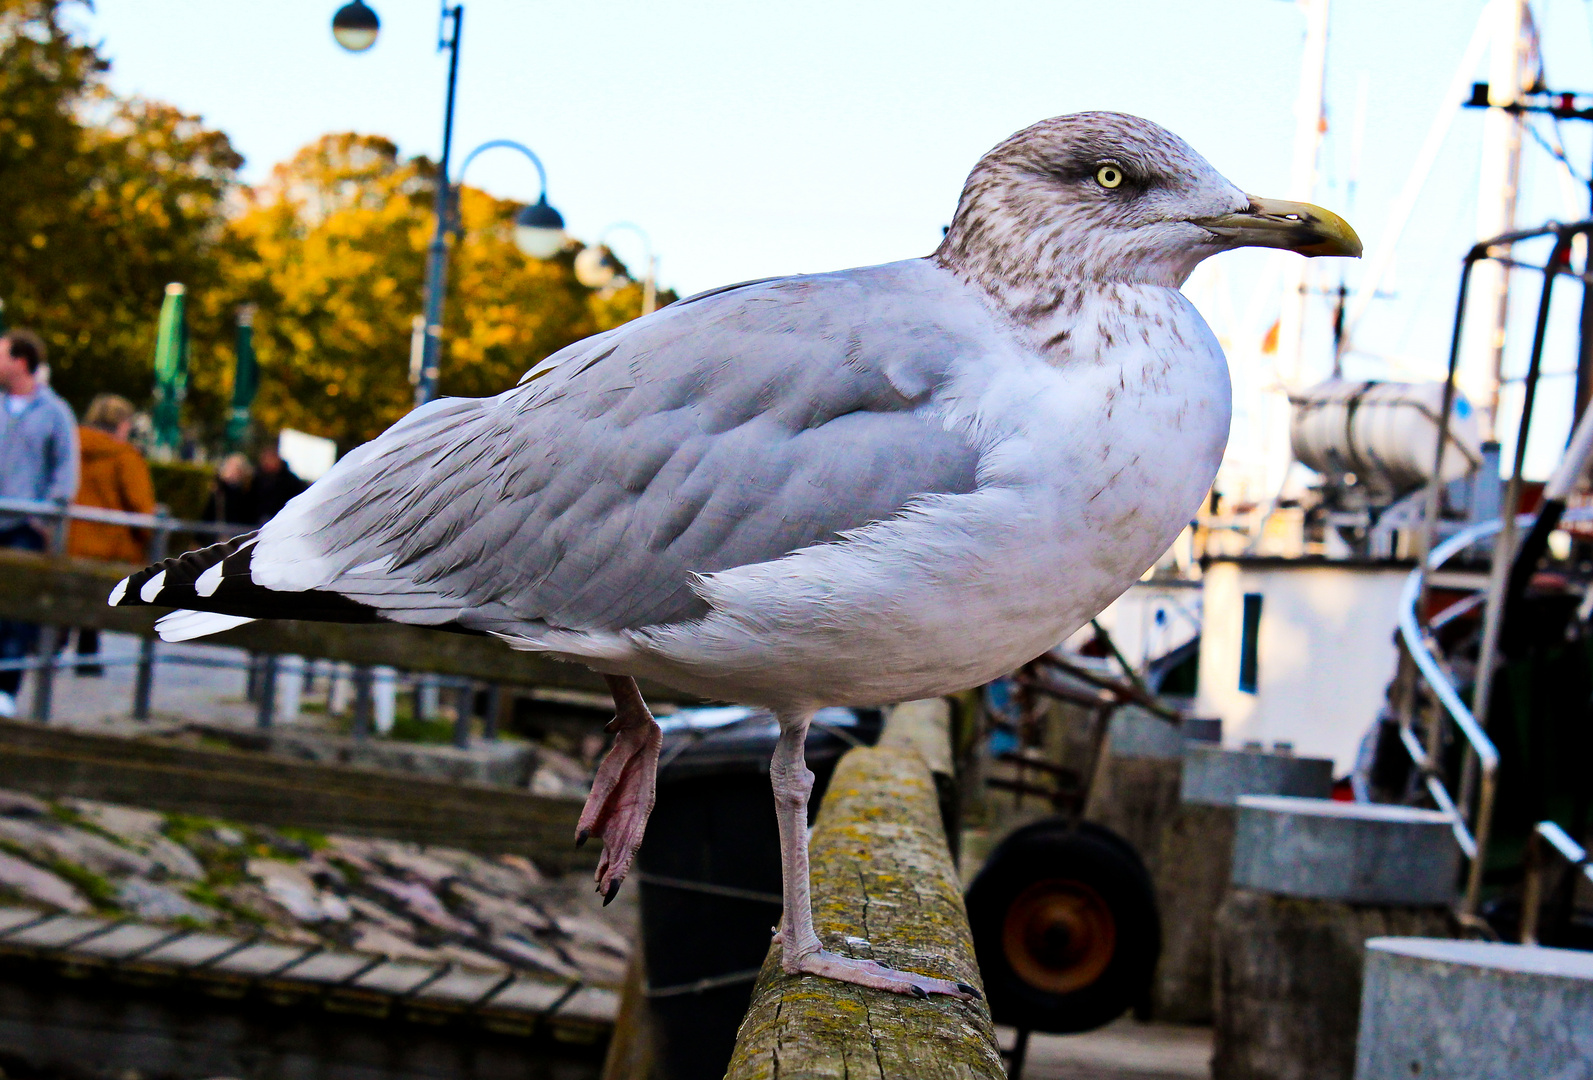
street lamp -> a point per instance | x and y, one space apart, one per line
355 26
538 229
595 266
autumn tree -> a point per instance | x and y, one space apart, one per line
332 251
103 201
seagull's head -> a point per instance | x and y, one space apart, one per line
1102 196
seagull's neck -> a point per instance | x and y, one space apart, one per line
1055 314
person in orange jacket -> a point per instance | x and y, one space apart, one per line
114 477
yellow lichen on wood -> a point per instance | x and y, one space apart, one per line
884 888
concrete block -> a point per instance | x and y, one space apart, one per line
1287 976
1217 777
1137 733
1472 1010
1359 853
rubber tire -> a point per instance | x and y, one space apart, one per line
1107 863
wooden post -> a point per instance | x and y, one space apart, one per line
883 888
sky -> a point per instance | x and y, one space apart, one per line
756 139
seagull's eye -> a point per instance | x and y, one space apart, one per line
1109 176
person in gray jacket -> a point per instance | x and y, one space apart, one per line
38 460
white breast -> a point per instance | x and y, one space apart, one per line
1092 463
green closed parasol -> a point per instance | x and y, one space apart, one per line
245 381
171 370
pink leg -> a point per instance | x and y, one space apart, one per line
623 791
801 951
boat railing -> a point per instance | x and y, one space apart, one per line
1470 806
1547 837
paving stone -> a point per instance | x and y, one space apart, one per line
327 967
193 950
461 987
149 900
20 804
528 995
53 840
396 976
592 1003
376 941
38 884
262 958
125 941
519 950
289 885
420 902
56 932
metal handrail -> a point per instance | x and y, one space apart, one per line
1532 891
57 510
1484 756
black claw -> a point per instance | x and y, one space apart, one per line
919 992
970 991
582 837
612 890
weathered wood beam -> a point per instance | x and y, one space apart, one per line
261 789
72 592
884 888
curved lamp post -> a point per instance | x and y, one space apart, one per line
538 233
538 229
595 266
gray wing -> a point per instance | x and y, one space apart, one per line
724 430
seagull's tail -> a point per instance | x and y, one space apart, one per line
214 589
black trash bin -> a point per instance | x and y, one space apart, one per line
709 871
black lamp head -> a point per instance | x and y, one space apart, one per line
539 230
355 26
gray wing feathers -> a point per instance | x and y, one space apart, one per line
727 431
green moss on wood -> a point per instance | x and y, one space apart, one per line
881 875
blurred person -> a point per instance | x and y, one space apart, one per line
38 461
114 476
231 499
274 484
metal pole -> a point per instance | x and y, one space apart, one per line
144 676
1584 356
467 701
1424 538
49 636
362 701
489 719
437 254
265 711
1505 547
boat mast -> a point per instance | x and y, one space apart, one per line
1497 186
1309 125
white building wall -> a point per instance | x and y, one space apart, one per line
1324 650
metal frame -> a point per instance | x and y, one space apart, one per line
1546 833
161 526
1479 768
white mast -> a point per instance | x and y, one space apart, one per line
1483 360
1309 124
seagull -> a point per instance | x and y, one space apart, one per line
849 488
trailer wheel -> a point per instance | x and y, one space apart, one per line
1064 926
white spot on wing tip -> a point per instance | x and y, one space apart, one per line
152 588
117 593
208 582
187 625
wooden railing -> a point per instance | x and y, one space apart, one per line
885 888
65 592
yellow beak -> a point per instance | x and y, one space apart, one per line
1292 226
